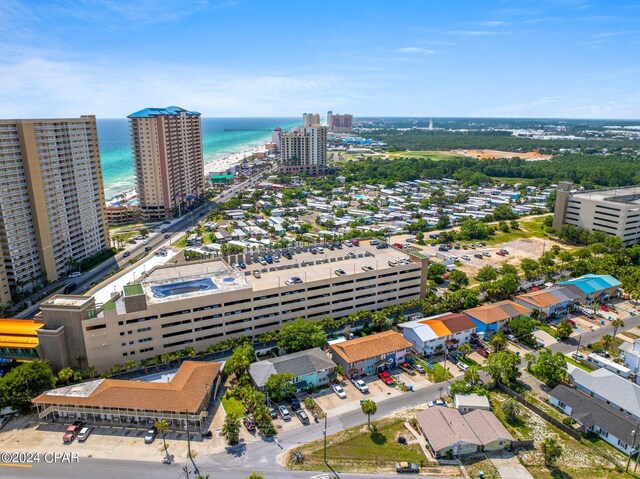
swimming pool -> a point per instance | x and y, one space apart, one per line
183 287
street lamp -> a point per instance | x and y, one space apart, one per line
633 443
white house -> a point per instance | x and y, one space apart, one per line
442 332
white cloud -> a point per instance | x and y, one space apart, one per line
494 23
475 33
425 51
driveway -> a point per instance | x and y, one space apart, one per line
508 466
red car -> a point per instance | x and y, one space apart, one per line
398 245
386 377
500 253
483 352
72 431
604 307
355 242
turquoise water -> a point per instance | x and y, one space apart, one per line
115 144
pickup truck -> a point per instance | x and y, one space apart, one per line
386 378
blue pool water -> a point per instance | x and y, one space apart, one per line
191 286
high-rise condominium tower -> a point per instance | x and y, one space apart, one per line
168 160
340 123
304 149
51 200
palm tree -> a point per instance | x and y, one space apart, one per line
231 429
255 475
161 427
369 408
66 375
91 371
130 364
617 323
464 349
472 375
606 341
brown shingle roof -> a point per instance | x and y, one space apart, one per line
487 426
495 312
366 347
548 297
444 427
185 391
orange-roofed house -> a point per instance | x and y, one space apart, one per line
549 302
19 338
491 318
370 354
437 333
173 397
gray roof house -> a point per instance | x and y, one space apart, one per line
310 368
611 424
608 387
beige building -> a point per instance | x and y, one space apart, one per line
168 159
614 211
304 149
340 123
51 200
201 303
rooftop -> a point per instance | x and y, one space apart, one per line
617 195
19 333
495 312
188 280
170 110
440 326
548 297
592 283
185 391
298 364
366 347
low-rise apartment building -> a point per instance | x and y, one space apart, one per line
201 303
444 332
551 301
491 318
370 354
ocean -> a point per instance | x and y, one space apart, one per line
115 144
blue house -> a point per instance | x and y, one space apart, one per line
310 368
491 318
594 287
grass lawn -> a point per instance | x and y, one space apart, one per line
579 365
360 450
437 374
232 405
548 329
484 464
434 155
529 227
468 361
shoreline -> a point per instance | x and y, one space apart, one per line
220 163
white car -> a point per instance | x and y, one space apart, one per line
437 402
361 386
145 242
462 366
466 257
366 267
75 274
511 337
84 433
339 391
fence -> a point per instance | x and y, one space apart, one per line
563 427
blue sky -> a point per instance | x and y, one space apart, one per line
544 58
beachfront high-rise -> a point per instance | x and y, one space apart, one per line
304 149
51 200
339 123
168 159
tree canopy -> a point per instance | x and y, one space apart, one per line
299 335
20 385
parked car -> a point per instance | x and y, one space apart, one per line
466 257
295 403
386 377
478 255
273 413
500 253
398 245
206 435
418 367
366 267
409 467
84 433
462 366
167 236
249 423
348 243
361 386
339 391
75 274
486 253
257 274
303 416
452 358
340 272
511 337
504 251
284 413
72 431
242 265
482 352
437 402
150 435
355 242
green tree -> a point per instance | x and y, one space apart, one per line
369 408
380 321
240 360
231 429
564 329
617 323
299 335
549 367
472 375
436 270
502 366
522 328
530 267
498 341
66 375
279 386
487 273
464 350
459 278
255 475
551 451
162 426
510 409
606 341
20 385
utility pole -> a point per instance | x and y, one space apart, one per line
195 468
578 347
633 433
324 432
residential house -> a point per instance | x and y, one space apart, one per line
491 318
448 432
310 368
551 301
607 387
609 423
593 287
632 357
436 333
470 402
370 354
